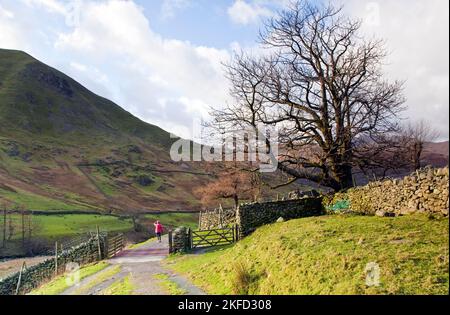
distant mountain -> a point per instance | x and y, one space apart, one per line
436 154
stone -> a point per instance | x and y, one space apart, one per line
280 220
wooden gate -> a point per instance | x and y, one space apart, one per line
114 245
214 237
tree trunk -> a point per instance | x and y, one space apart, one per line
345 177
236 201
417 155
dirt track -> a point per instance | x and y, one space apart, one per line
142 265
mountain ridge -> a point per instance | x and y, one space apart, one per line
62 147
66 106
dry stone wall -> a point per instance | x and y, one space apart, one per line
35 275
426 190
253 215
249 216
217 218
180 240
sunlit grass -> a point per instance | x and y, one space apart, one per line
169 286
328 255
60 283
120 287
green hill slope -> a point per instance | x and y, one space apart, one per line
63 147
329 255
38 99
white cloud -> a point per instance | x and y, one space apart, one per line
146 66
6 13
245 13
50 5
417 37
169 8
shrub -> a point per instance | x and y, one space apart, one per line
241 279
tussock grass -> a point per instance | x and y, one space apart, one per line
329 255
241 279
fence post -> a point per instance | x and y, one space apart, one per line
56 258
170 242
189 242
236 232
220 216
98 244
20 277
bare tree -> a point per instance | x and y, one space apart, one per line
415 135
321 85
232 183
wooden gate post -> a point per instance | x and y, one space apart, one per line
188 246
19 281
98 244
170 242
56 258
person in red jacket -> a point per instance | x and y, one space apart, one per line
158 230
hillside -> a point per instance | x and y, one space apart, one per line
328 255
64 148
436 154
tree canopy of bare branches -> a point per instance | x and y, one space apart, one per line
415 135
321 85
232 183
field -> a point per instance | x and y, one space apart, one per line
175 219
46 229
329 255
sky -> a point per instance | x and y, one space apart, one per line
162 60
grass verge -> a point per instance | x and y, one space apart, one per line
60 283
100 278
139 245
169 286
120 287
329 255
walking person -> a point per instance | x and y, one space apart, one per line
158 230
